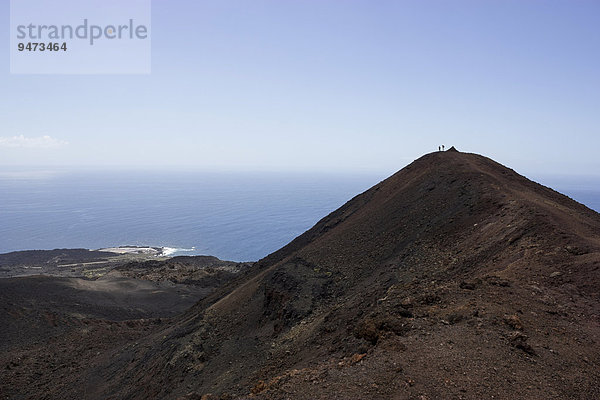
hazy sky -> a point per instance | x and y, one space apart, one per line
326 85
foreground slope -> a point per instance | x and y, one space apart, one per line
454 278
55 325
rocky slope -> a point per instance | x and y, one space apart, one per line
454 278
55 324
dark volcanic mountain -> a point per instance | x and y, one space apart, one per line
454 278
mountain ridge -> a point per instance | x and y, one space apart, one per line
398 233
382 267
456 277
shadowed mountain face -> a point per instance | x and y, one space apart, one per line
454 278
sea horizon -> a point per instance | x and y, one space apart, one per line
238 216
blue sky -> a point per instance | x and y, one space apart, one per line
324 85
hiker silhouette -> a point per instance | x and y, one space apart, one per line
442 147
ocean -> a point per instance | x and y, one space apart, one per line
233 216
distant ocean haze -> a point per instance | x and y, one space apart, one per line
234 216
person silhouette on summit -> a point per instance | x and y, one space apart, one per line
442 147
439 148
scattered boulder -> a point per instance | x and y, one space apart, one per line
576 251
370 328
357 357
407 302
519 341
261 386
514 322
470 285
456 317
367 330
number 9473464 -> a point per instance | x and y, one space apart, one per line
42 46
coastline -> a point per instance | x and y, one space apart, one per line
145 250
88 263
156 251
